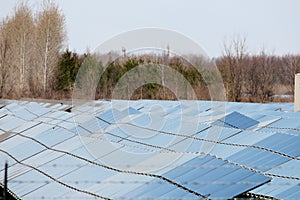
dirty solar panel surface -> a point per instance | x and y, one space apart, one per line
120 149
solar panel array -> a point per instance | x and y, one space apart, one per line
150 149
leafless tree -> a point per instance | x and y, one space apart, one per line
251 79
17 41
15 55
50 35
291 65
231 66
266 75
4 51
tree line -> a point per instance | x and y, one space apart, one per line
123 73
33 63
254 78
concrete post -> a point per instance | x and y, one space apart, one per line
297 93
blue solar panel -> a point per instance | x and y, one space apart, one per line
285 123
248 137
67 125
32 180
26 126
279 188
4 157
25 114
61 165
94 125
175 194
119 136
236 188
290 168
142 120
220 133
130 111
13 106
212 169
172 125
51 189
28 149
187 167
54 136
37 109
196 174
80 174
287 144
110 116
236 120
291 193
205 166
223 124
157 191
258 159
8 123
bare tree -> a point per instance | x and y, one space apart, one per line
266 75
4 54
15 49
251 77
291 65
231 66
19 37
49 42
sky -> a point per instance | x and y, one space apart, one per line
272 25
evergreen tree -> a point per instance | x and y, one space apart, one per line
68 67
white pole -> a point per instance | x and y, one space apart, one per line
297 93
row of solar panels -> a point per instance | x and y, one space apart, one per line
276 133
165 149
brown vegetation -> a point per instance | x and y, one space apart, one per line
33 64
30 46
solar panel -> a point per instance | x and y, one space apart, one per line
222 133
290 193
37 109
9 123
236 120
94 125
283 143
159 139
28 185
202 179
25 114
280 189
25 126
285 123
51 189
29 148
110 116
13 106
257 158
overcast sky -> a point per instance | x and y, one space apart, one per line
273 25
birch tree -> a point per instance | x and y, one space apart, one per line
4 57
16 50
49 42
